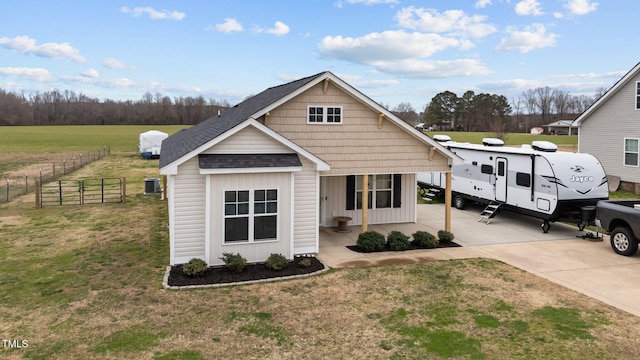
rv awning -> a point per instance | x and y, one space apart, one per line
244 163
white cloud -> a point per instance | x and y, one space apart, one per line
35 74
421 69
580 7
229 25
279 29
115 64
153 14
481 4
91 73
401 53
385 46
532 37
27 45
450 21
528 7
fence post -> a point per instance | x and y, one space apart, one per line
60 190
7 189
38 198
80 160
26 183
124 188
54 171
73 158
64 167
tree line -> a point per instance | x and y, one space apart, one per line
446 111
70 108
495 113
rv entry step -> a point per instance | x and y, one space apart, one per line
490 211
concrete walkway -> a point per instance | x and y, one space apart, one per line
562 255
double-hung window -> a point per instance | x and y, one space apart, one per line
380 191
631 152
250 215
324 114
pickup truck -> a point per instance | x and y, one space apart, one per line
621 220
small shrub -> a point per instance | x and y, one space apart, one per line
371 241
397 241
277 262
304 262
195 267
425 240
445 236
234 262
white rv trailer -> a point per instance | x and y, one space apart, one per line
536 180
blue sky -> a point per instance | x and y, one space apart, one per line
394 51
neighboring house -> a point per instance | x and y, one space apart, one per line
561 127
610 130
262 177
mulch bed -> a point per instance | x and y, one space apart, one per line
252 272
411 247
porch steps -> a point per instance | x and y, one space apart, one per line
431 194
490 211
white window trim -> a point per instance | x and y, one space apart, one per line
624 152
251 216
324 114
373 190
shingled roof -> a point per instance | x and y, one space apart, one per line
187 140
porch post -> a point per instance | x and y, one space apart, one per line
365 202
447 202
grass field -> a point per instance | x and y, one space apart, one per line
56 139
85 283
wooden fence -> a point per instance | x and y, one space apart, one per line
81 192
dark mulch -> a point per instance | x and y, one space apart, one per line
222 275
411 247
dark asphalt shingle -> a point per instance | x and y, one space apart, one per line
237 161
187 140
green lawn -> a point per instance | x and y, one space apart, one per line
53 139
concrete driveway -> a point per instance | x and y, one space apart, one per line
562 255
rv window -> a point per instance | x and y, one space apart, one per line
523 179
501 168
486 169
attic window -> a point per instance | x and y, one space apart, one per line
638 95
324 114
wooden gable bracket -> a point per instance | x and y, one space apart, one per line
380 118
266 117
432 150
326 86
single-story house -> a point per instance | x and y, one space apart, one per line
263 176
609 129
561 127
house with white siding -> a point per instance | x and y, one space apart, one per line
610 130
266 174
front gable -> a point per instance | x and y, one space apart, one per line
363 140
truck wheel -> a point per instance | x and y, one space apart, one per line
458 202
623 242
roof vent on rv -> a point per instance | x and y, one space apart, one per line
441 138
492 142
545 146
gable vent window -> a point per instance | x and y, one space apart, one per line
638 95
324 114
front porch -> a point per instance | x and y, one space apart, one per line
334 252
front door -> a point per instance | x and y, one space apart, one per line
501 179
